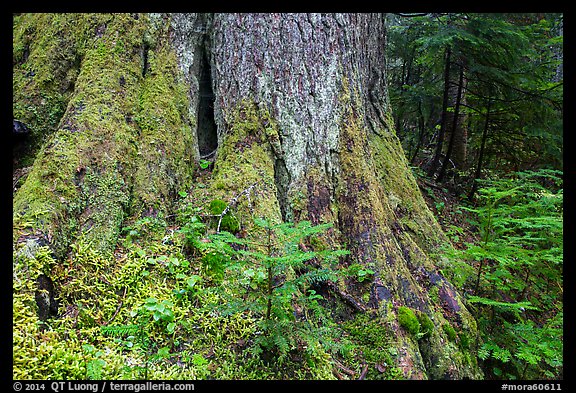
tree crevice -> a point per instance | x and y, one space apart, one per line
206 128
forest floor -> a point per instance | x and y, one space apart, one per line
446 206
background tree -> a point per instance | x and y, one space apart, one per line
505 64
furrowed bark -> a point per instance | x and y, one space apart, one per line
323 119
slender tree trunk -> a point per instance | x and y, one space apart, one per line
453 133
457 134
440 142
300 114
421 129
478 171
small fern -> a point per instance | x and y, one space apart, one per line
94 366
120 330
517 284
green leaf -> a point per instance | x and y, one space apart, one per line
168 314
192 281
164 352
312 295
204 163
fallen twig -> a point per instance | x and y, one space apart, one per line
234 201
117 308
345 369
364 371
337 374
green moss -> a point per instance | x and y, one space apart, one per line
372 340
107 197
244 167
230 223
434 294
426 324
165 140
406 200
408 320
370 333
464 341
217 206
47 53
450 332
81 180
367 220
97 291
318 243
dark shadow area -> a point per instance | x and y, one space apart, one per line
206 129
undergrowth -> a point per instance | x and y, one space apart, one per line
187 301
511 269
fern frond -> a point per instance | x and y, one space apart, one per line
120 330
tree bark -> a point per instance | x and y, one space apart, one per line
455 137
300 109
433 167
457 133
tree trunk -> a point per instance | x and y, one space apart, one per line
457 133
453 144
295 106
478 171
433 166
421 133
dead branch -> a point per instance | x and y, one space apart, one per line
345 369
364 371
337 374
234 201
117 308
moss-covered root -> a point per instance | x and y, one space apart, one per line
244 169
165 142
369 217
80 181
